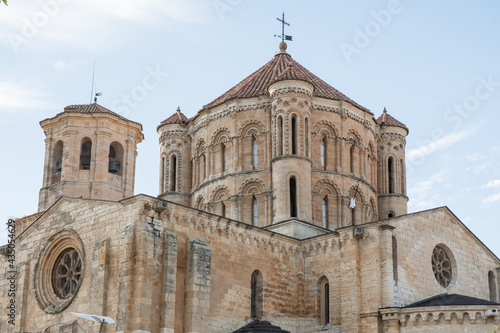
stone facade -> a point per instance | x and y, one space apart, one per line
282 200
184 270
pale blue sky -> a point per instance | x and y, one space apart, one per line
434 65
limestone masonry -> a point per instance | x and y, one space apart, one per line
282 201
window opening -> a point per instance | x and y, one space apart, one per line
254 152
85 154
390 169
323 153
325 212
58 152
256 295
293 197
254 211
173 174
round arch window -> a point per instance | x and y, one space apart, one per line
67 273
442 265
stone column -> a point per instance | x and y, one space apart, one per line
144 274
125 277
386 266
498 283
100 153
197 302
48 160
350 282
22 294
342 164
170 276
99 266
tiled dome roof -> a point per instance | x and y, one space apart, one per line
388 120
177 118
281 67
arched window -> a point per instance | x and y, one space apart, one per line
115 158
57 157
85 154
324 301
323 149
293 197
280 136
351 156
391 214
203 167
224 157
325 212
307 136
492 282
223 209
395 260
254 211
254 152
173 173
390 170
256 283
294 135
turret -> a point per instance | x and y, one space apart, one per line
90 152
291 100
392 198
175 159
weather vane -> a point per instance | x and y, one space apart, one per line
283 22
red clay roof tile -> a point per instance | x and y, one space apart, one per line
281 67
388 120
177 118
89 109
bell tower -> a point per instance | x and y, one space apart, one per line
90 152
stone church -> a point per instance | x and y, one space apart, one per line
282 203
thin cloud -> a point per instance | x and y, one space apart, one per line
20 95
491 198
476 156
92 24
65 66
440 144
150 11
493 183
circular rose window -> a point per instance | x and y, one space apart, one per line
67 273
59 271
442 266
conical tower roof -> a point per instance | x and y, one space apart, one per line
177 118
281 67
386 119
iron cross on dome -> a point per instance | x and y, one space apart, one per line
283 22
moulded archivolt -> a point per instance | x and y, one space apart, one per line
59 271
442 265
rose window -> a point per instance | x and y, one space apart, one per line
441 266
66 275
